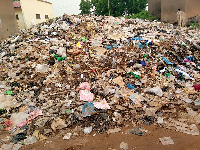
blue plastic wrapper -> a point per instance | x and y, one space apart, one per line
114 45
150 43
167 61
137 38
139 45
143 63
108 47
88 109
130 86
190 58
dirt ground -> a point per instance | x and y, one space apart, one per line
92 141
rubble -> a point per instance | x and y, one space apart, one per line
113 130
166 141
123 146
182 127
137 131
87 130
11 146
97 76
67 136
30 140
58 123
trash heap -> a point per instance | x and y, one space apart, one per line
94 74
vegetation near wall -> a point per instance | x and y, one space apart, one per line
117 7
142 15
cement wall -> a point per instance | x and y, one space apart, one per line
192 8
154 8
169 9
21 24
8 23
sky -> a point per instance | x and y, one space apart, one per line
69 7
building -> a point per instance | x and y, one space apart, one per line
32 12
19 15
166 9
8 23
154 8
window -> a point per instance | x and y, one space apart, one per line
38 16
17 17
46 17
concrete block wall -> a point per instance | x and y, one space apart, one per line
8 23
192 8
169 9
154 8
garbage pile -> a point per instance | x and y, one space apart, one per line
95 73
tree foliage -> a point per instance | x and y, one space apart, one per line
117 7
85 6
142 15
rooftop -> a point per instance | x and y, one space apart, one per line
16 4
44 1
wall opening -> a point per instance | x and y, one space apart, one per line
46 17
38 16
17 17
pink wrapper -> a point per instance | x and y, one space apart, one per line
85 86
102 105
86 95
31 116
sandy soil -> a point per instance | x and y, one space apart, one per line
93 141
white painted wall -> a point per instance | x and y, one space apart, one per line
21 24
32 7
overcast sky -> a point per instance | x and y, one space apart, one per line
69 7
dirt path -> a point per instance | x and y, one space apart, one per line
150 141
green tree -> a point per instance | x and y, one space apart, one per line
85 7
135 6
117 7
142 15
